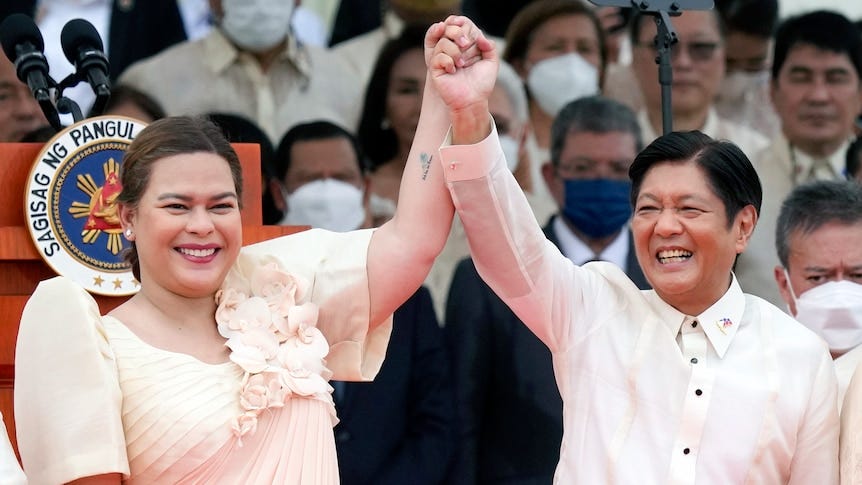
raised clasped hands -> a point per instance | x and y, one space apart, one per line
462 64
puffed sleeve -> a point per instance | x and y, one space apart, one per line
67 396
335 265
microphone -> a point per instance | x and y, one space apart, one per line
23 44
83 47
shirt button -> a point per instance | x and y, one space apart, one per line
694 360
686 451
698 392
694 324
452 166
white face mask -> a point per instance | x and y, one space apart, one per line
510 151
256 25
833 310
738 85
325 203
556 81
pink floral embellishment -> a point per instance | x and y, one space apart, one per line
272 337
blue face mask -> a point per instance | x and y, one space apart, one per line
597 207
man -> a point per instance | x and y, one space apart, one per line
19 112
743 96
691 382
698 69
400 427
817 93
819 231
251 65
360 53
511 413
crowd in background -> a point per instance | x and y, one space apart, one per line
468 392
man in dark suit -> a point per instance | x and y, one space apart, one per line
507 402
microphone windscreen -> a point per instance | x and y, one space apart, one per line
17 29
79 33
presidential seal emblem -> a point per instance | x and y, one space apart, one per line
70 204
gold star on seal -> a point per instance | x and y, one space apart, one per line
118 284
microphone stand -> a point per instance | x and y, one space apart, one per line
664 40
66 105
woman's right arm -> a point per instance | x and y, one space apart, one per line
67 395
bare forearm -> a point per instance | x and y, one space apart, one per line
402 250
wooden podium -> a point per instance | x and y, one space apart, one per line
21 267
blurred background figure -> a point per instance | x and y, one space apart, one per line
816 89
361 52
698 69
241 130
128 101
854 160
389 116
251 65
399 428
19 112
743 95
508 405
508 106
820 275
558 48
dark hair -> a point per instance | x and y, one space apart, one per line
754 17
314 130
829 31
380 142
163 138
854 158
534 14
637 20
729 172
812 205
123 93
239 129
596 114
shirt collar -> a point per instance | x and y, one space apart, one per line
392 24
720 322
802 162
710 126
220 53
578 252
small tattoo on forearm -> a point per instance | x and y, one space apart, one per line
425 160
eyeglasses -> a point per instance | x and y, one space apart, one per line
697 51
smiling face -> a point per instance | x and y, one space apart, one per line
682 238
186 226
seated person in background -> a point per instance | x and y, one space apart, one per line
816 89
819 243
691 382
128 101
360 52
853 167
389 115
250 65
399 428
698 70
241 130
743 96
558 48
20 114
509 409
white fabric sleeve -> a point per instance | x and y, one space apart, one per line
67 395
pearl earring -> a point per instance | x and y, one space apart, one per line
128 233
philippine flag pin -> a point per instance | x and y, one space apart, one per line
724 325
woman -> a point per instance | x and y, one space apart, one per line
391 110
216 370
558 48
